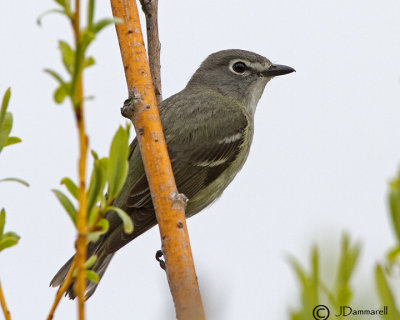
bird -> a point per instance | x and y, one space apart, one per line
208 128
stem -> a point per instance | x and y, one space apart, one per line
60 292
150 9
169 207
81 241
4 305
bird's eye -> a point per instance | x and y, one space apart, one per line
239 67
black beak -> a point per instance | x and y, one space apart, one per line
277 70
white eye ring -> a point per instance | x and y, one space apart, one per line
238 67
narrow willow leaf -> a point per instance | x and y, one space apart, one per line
92 276
26 184
393 254
126 219
87 36
11 234
89 61
79 56
8 242
97 184
118 162
2 221
71 186
4 104
5 129
300 273
60 93
394 205
385 294
90 13
93 236
40 18
12 140
56 76
67 204
101 228
62 3
68 56
94 154
99 25
90 262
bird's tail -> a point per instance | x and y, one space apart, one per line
99 267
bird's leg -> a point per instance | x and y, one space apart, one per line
128 109
159 254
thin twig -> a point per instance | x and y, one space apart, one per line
61 290
169 207
4 305
81 241
150 9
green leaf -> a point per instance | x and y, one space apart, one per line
117 170
5 119
97 184
71 186
385 294
94 154
26 184
102 227
56 76
67 204
2 221
62 3
126 219
92 276
89 61
5 129
90 13
60 93
300 273
68 56
394 205
90 262
7 242
4 104
393 254
101 24
63 12
87 36
12 140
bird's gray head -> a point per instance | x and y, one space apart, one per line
238 74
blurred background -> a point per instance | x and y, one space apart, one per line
327 141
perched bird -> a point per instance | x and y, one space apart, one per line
208 127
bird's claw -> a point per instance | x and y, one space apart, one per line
159 254
128 109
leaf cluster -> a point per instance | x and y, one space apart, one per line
108 175
314 291
74 57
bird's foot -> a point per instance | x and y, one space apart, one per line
128 109
159 254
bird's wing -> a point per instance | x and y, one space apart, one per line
200 149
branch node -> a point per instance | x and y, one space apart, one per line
179 201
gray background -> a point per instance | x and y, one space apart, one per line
326 144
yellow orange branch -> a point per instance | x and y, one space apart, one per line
61 290
4 305
168 206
